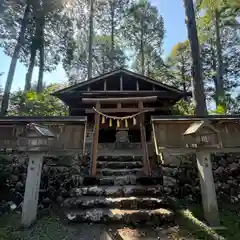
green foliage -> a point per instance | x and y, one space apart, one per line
143 31
36 104
10 24
183 107
220 110
179 62
103 55
219 43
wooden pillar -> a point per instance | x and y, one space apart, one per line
121 83
105 85
94 150
30 202
146 165
209 199
137 85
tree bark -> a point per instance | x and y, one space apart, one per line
90 40
214 68
112 35
33 53
197 81
13 64
41 55
219 59
209 199
142 49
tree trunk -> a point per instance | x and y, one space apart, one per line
90 40
219 59
103 63
197 81
29 73
33 53
41 70
148 69
13 64
41 55
112 36
142 49
214 68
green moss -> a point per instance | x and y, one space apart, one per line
191 223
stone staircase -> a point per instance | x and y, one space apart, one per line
119 194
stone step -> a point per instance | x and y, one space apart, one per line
118 180
133 203
120 158
118 191
158 217
122 180
117 165
119 172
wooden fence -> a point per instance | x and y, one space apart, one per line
70 132
169 134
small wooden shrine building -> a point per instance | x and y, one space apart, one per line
118 106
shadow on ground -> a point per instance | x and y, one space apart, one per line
189 225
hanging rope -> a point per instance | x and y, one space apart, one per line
119 118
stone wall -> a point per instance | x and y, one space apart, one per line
59 175
183 181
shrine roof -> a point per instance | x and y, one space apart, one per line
113 75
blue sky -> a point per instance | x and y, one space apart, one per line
173 15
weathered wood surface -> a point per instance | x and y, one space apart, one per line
122 100
69 136
94 152
122 110
169 134
144 141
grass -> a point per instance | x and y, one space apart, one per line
191 224
189 220
49 227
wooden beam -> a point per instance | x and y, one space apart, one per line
119 106
121 110
18 120
137 85
105 85
160 94
146 164
94 152
182 150
121 92
122 100
121 84
84 138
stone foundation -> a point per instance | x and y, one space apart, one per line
59 175
183 181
